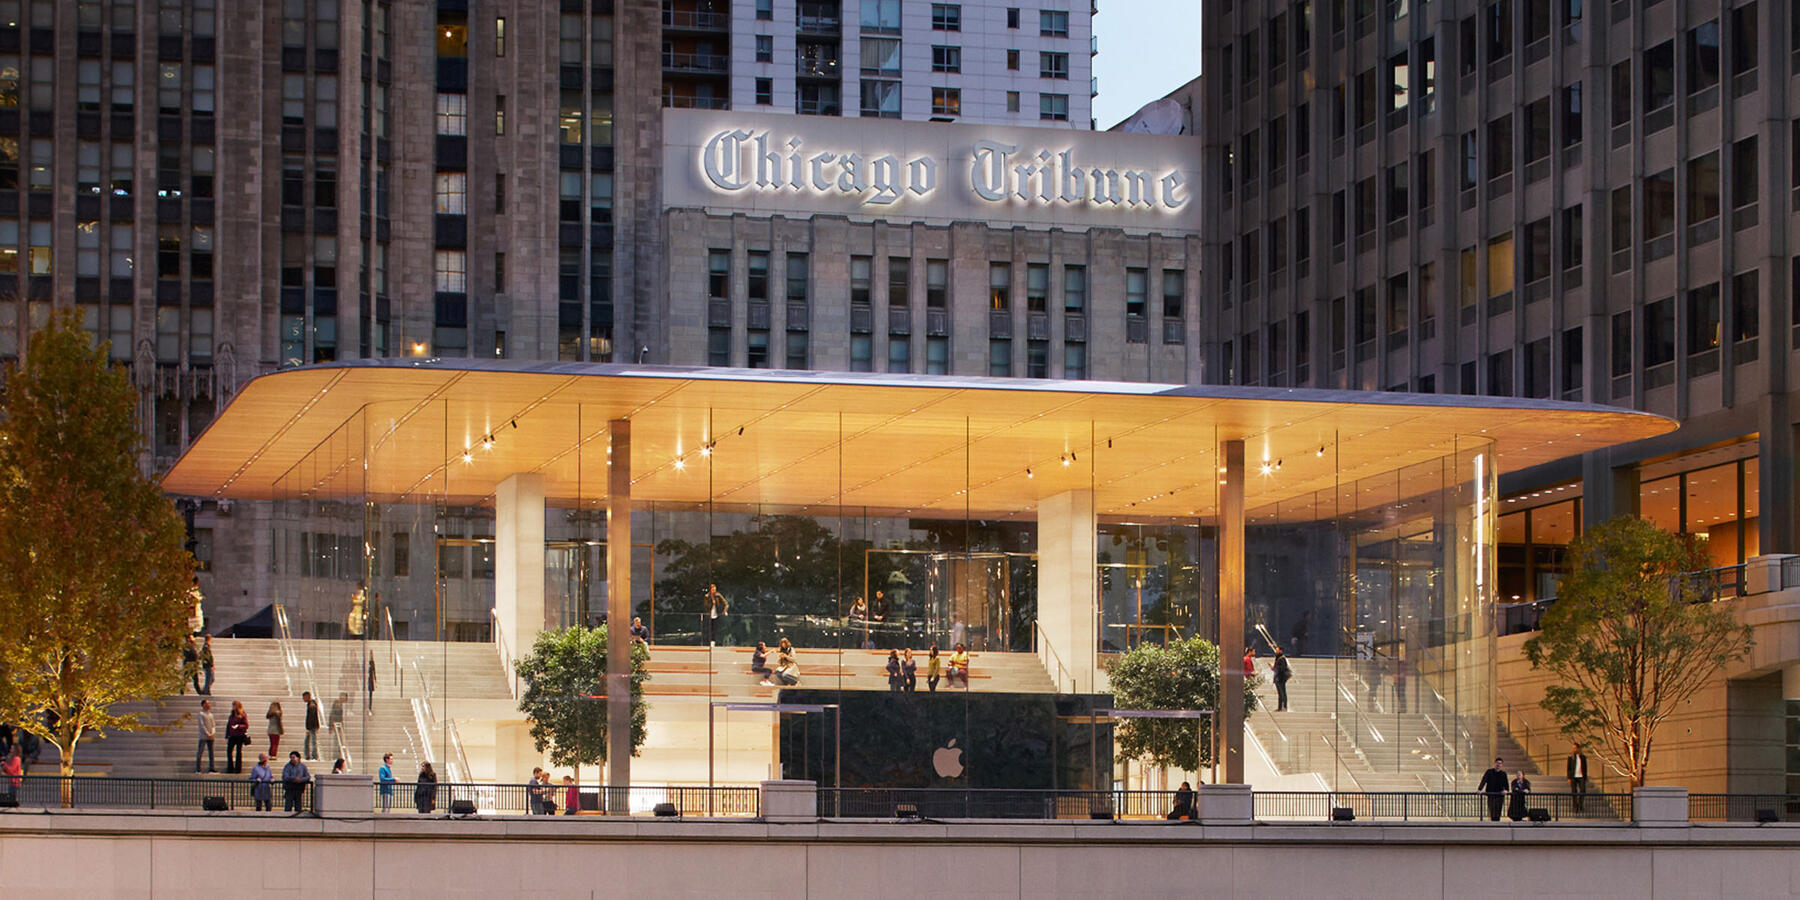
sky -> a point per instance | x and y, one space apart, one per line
1147 49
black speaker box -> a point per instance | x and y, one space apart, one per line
214 804
462 807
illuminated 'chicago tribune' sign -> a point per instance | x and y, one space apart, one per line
742 160
897 171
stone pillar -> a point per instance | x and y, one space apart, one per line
1659 806
1230 715
342 795
1068 588
618 615
790 801
1225 804
519 561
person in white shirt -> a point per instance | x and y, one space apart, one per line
207 726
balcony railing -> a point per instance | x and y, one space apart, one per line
821 24
696 62
696 20
678 101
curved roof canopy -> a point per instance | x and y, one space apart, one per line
448 431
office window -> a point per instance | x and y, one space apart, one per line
1037 359
451 271
944 16
797 346
1573 359
946 59
1000 358
1744 36
1053 107
899 281
765 91
1399 307
1398 180
1174 289
1500 374
1500 146
860 268
1659 205
1537 250
1744 178
1499 30
1469 173
1275 236
765 10
452 189
1012 17
862 352
937 283
899 354
1537 131
453 114
936 355
1053 23
1012 60
1570 248
880 99
1074 289
765 47
1037 287
1703 322
1571 114
1745 308
758 281
1659 333
1500 265
798 276
1703 56
999 286
1703 188
756 349
1621 344
1621 219
1053 65
1621 94
1012 101
1398 94
500 36
1365 213
718 274
1137 286
946 102
1659 76
1074 361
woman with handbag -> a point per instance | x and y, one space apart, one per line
237 737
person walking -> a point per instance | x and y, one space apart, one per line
1521 786
1494 785
425 794
893 671
261 781
293 783
311 745
934 668
1283 672
1400 668
385 775
275 729
207 726
237 736
909 671
716 608
1578 777
369 704
206 665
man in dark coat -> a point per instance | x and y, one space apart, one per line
1494 785
1578 778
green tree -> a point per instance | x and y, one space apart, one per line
94 595
565 694
1182 675
1632 635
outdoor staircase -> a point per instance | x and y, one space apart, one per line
1353 734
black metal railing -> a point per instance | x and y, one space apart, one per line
1744 807
1426 806
996 803
553 799
176 794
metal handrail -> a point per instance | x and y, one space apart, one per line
1045 647
506 660
393 655
284 643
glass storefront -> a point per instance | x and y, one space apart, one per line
813 533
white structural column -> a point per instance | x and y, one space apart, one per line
1231 610
618 615
1068 588
519 561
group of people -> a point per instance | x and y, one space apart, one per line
197 663
294 779
541 794
1280 672
237 730
19 750
785 670
903 670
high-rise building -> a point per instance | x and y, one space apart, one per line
1530 198
973 61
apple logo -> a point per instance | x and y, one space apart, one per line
947 760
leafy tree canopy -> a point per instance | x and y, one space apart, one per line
94 574
1630 639
564 695
1182 675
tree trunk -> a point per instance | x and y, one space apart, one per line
66 767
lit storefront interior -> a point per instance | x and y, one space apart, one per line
1046 525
